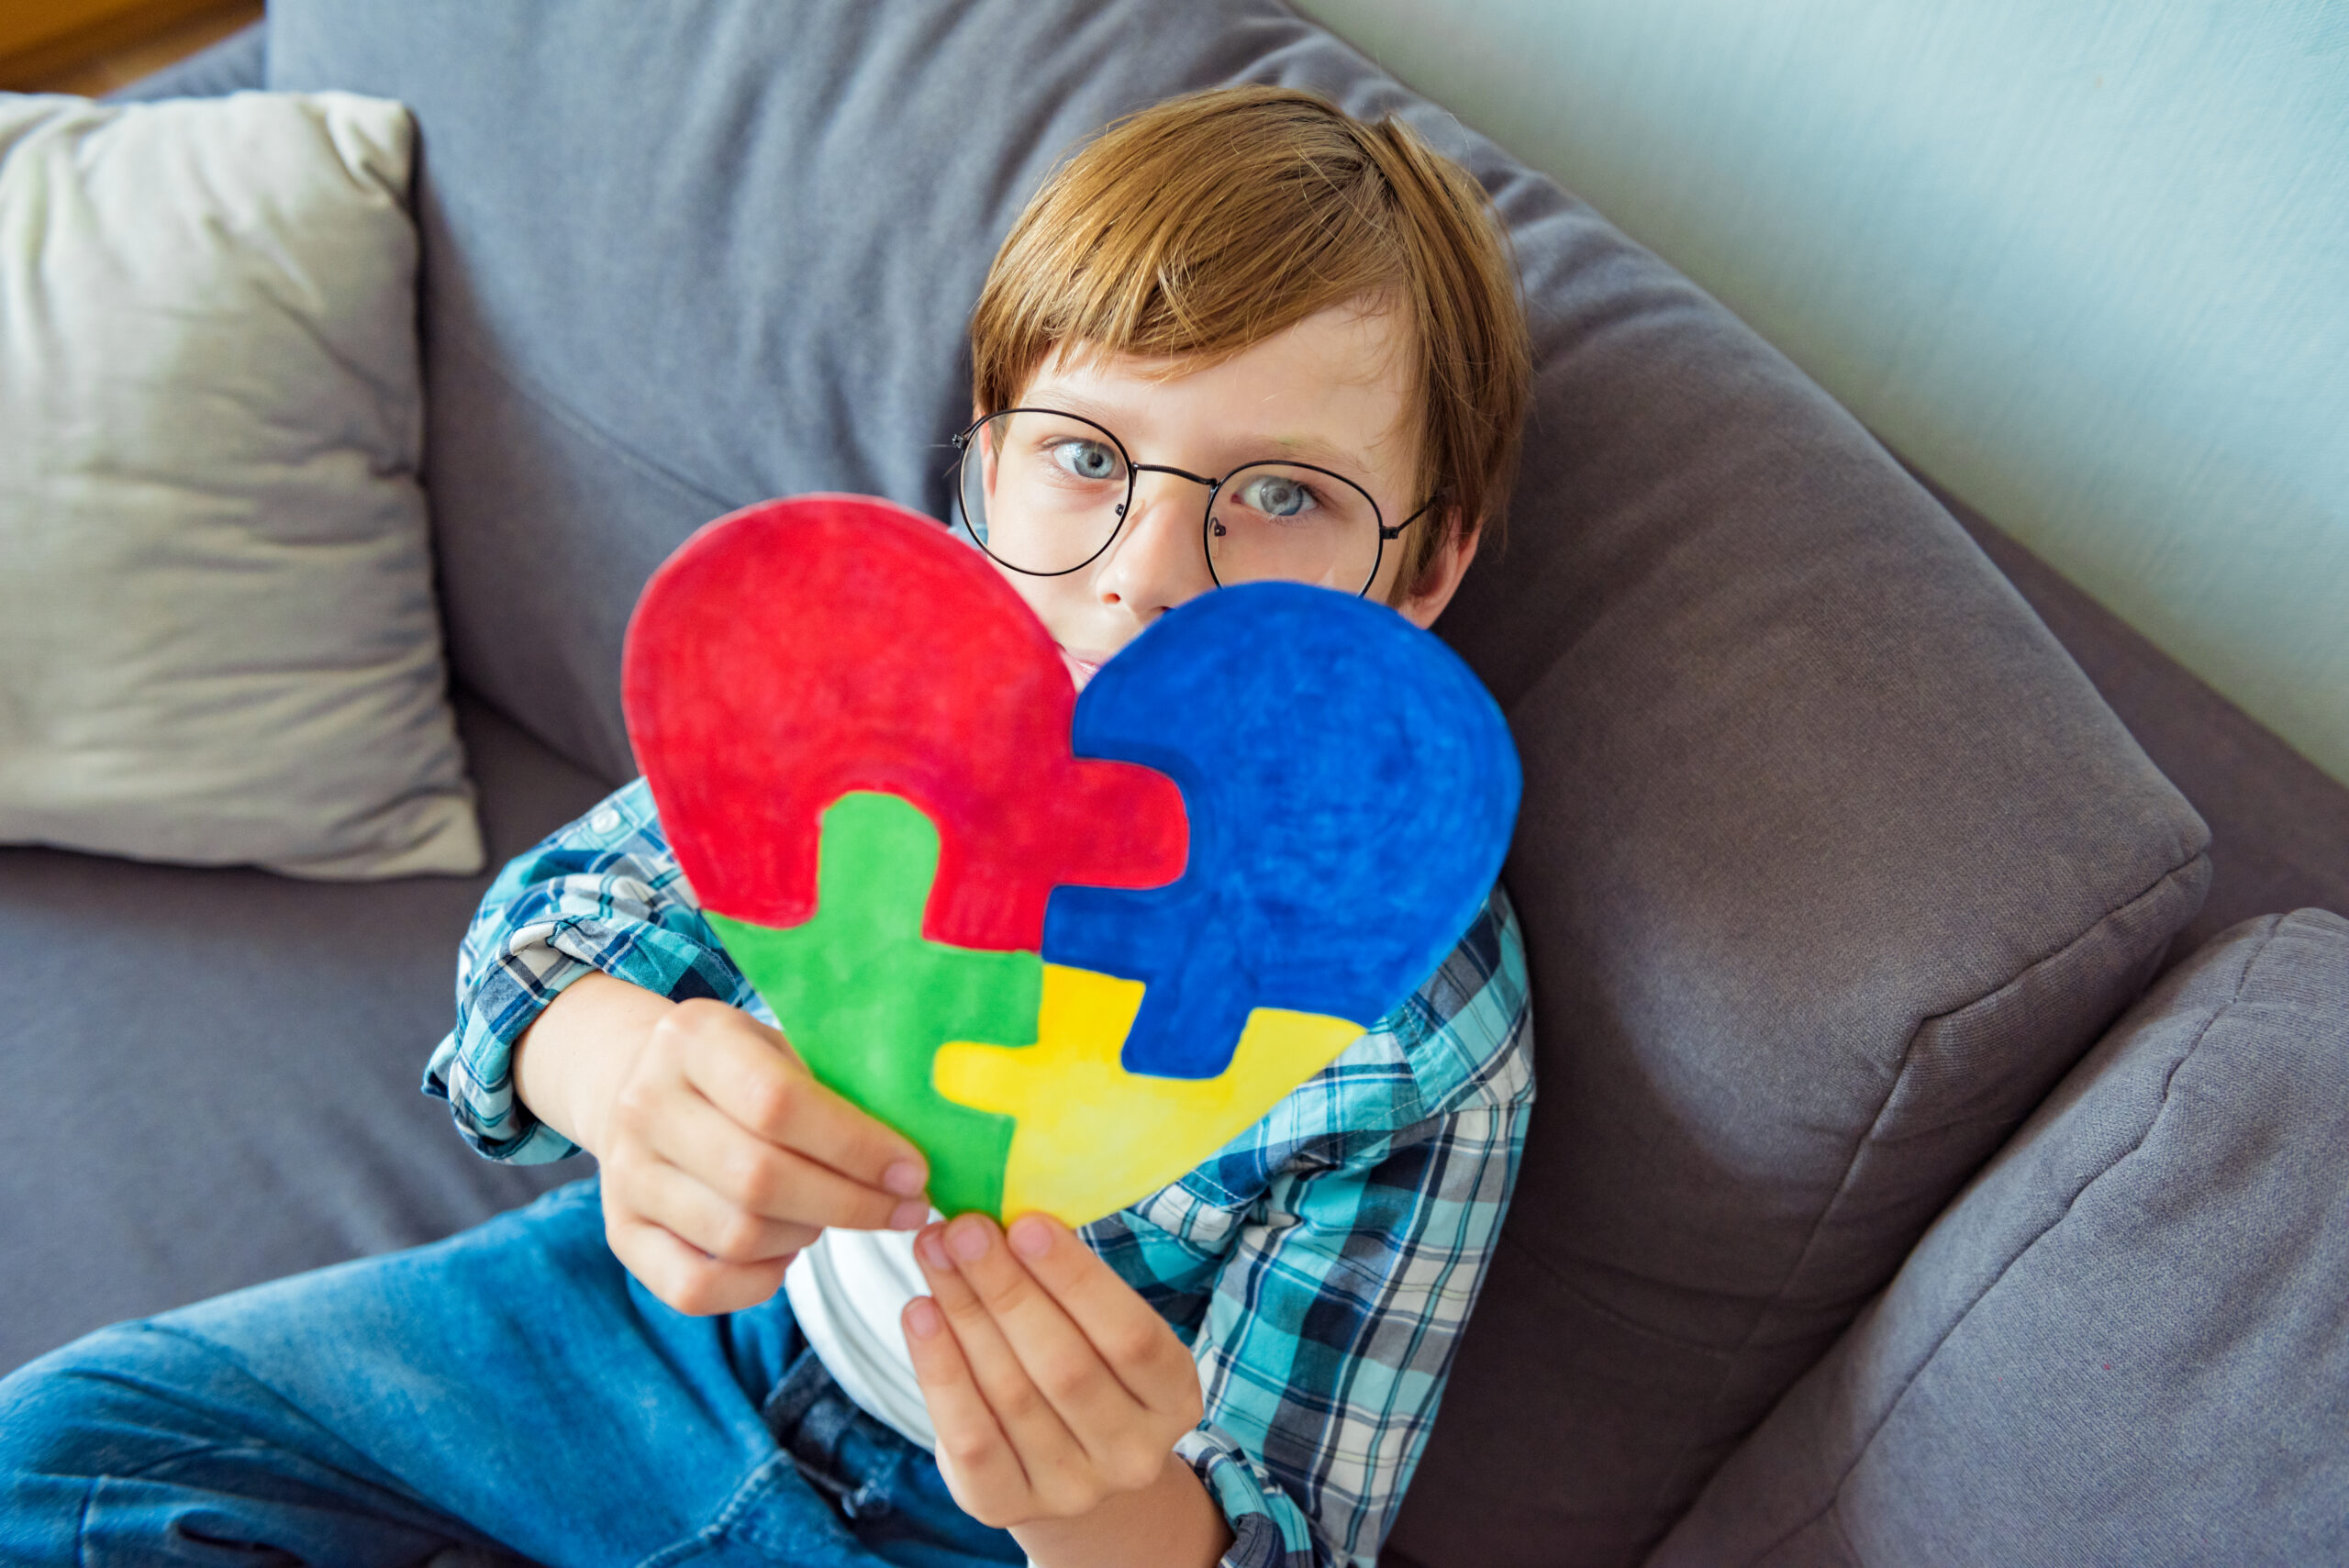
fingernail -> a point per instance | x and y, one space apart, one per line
931 1245
922 1318
911 1214
905 1178
967 1238
1030 1236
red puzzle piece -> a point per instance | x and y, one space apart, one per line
784 702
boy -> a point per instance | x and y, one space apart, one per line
1231 333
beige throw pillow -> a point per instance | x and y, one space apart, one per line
218 642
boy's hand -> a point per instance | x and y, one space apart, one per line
721 1155
1054 1388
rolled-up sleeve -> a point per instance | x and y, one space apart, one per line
603 894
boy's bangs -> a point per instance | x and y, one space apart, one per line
1183 246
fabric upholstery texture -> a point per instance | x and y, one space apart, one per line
213 1073
219 643
2279 825
1831 862
2127 1343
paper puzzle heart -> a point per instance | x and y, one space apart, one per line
1070 946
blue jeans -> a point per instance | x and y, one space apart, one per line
508 1392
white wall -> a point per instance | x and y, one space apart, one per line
2085 261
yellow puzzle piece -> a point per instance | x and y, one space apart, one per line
1092 1137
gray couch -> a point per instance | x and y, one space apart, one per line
1854 1228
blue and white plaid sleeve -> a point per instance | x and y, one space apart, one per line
606 893
1323 1264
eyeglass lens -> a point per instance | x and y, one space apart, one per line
1044 493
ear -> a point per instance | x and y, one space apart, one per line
1440 578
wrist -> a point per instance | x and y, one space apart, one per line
1174 1522
570 1065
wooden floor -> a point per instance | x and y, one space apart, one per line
101 73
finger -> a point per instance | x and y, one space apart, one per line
977 1460
1134 1341
1066 1366
686 1278
655 1190
777 1183
1059 1474
749 1073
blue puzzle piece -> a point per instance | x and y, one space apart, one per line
1351 788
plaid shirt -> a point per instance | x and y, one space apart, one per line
1320 1266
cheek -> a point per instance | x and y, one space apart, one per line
1058 602
1387 586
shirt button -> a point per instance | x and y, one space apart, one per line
603 821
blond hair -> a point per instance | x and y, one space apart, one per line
1150 241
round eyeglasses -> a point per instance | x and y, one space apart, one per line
1044 493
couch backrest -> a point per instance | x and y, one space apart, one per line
1830 863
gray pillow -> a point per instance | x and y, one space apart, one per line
2129 1343
218 642
1831 862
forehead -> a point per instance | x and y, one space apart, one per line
1339 387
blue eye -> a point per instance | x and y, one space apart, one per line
1086 460
1275 496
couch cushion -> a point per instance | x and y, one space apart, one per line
213 1073
2128 1344
1831 863
217 637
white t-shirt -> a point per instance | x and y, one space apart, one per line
848 1289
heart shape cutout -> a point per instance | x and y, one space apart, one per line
1069 945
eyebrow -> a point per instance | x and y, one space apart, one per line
1298 448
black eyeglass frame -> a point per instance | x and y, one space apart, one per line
961 444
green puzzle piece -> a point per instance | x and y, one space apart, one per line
867 1002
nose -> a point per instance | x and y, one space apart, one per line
1156 561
